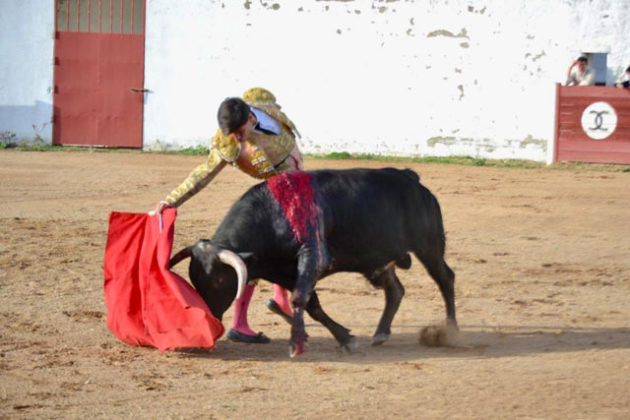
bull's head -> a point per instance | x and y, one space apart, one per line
219 275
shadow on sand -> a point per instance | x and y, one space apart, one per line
472 341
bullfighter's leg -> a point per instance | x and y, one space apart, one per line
445 278
394 292
346 340
240 331
280 304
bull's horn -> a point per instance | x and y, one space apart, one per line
181 255
230 258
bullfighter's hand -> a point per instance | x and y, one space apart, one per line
161 206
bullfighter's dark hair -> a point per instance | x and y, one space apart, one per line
233 112
628 69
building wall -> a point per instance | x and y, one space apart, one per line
26 70
423 77
402 77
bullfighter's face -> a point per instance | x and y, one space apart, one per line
243 132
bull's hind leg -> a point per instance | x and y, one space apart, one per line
445 279
394 292
346 340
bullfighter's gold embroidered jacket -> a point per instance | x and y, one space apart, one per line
261 156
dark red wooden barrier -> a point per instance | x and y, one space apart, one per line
592 124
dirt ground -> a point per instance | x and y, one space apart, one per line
542 258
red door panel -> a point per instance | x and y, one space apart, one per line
99 76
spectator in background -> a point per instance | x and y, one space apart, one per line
580 74
626 83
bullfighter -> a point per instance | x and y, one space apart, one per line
257 137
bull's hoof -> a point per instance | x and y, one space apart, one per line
352 346
452 324
379 339
297 349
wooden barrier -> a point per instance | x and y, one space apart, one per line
592 124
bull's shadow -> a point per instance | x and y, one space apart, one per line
472 341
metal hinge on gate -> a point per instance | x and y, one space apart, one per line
138 90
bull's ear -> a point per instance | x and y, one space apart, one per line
248 257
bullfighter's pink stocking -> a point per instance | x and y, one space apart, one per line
281 296
241 305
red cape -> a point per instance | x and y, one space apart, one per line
147 304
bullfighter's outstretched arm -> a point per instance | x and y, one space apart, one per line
197 179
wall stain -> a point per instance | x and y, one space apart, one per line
443 32
461 91
471 9
447 141
531 140
486 144
539 56
274 6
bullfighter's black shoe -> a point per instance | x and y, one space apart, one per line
239 337
275 308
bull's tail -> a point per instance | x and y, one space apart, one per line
181 255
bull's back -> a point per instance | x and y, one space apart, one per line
373 216
368 217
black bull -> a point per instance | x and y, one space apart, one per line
300 227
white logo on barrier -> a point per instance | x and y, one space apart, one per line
599 120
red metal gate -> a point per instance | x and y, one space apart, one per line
99 72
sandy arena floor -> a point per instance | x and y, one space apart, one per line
542 259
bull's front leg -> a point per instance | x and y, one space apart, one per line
309 269
347 341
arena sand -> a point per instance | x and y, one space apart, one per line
542 258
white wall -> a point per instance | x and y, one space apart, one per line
407 77
26 70
424 77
